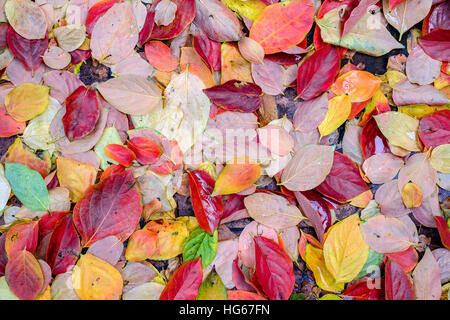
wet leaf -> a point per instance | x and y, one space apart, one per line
436 44
185 282
316 74
208 50
76 176
208 209
339 109
212 288
228 182
184 15
433 129
274 269
358 85
141 245
160 57
412 195
398 284
421 68
382 167
171 236
389 198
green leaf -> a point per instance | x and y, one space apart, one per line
28 186
109 136
374 259
200 244
297 296
212 288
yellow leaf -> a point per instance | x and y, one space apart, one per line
234 66
316 263
27 101
362 200
44 295
394 76
171 235
400 129
345 250
141 245
250 9
75 176
339 109
95 279
237 176
420 110
440 158
330 296
412 195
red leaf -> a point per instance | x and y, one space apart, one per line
79 56
344 182
119 153
22 236
406 259
112 169
48 222
434 129
439 18
444 231
372 140
146 150
436 44
29 52
316 209
24 275
8 126
239 279
185 282
82 113
285 59
208 210
109 208
234 203
184 15
357 107
235 95
398 285
361 291
394 3
208 50
3 32
316 74
273 269
146 31
3 255
96 11
243 295
64 246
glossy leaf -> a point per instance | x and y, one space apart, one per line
407 259
208 209
236 177
160 57
22 236
372 140
444 231
339 109
344 181
316 74
274 269
358 85
412 195
171 236
436 44
208 50
433 129
185 282
111 207
96 11
146 150
120 154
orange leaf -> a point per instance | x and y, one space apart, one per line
359 85
141 246
160 56
283 25
189 57
236 177
20 154
234 66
